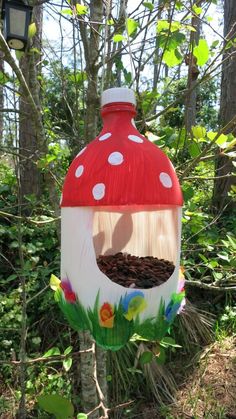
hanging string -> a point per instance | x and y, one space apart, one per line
107 14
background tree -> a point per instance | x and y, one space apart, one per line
105 44
225 169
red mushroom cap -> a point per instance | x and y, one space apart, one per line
121 168
116 170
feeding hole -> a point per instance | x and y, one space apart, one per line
134 271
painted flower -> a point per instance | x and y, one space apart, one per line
133 304
171 311
69 294
107 316
174 307
181 280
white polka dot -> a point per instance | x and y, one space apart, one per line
135 138
165 180
115 158
133 123
98 191
105 136
81 152
79 171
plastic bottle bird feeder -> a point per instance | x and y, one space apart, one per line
121 197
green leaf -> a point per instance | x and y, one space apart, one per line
110 22
51 352
68 350
67 363
67 12
188 192
197 10
194 149
131 26
198 132
57 405
19 54
36 50
222 139
165 26
215 43
168 341
81 10
161 356
172 58
3 78
201 52
32 30
82 416
118 38
148 5
146 357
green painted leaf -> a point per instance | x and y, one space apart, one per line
57 405
67 363
146 357
82 416
172 58
118 38
81 10
131 25
201 52
51 352
32 30
148 5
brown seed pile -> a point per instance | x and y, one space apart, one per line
134 271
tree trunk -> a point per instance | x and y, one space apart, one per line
224 166
30 135
1 101
191 96
87 374
91 46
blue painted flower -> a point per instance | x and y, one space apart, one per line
172 310
133 304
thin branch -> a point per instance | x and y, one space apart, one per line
208 147
52 358
199 284
28 219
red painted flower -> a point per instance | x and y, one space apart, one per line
106 313
69 294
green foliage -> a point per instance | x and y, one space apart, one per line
57 405
201 52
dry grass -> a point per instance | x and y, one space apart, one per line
209 391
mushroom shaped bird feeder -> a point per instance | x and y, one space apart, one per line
121 226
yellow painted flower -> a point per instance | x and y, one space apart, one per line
134 304
107 316
55 282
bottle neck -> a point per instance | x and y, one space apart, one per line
117 113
